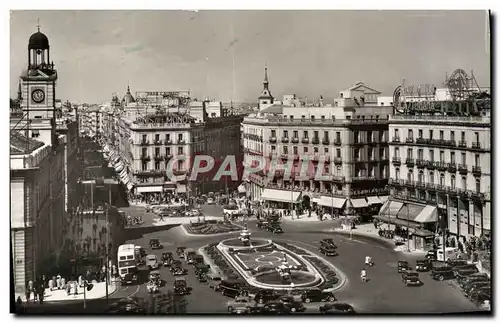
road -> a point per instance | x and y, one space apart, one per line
384 293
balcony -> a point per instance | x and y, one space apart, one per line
436 142
476 170
325 141
340 179
431 164
337 160
452 167
421 163
315 141
337 142
150 172
177 172
409 140
462 169
462 144
167 157
144 142
476 145
295 140
421 141
364 178
395 139
305 140
158 142
158 157
284 140
396 161
145 157
442 166
410 162
168 142
358 143
272 140
181 142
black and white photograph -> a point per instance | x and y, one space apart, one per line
250 162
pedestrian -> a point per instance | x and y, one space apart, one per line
27 293
51 284
161 216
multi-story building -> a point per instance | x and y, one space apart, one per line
148 135
348 139
91 120
40 159
440 164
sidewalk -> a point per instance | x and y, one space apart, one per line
98 291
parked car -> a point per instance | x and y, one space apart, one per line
328 242
266 295
156 278
178 271
431 255
276 308
180 252
403 266
152 262
202 277
472 278
180 286
317 295
455 262
328 251
486 289
189 256
423 265
214 281
466 272
471 268
475 285
231 288
292 303
210 201
167 259
238 302
442 273
198 260
155 244
480 297
336 308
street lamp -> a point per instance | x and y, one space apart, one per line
86 287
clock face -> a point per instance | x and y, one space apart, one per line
38 95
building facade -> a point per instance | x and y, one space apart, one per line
440 153
347 141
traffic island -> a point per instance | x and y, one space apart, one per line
210 228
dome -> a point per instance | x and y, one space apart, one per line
128 98
38 41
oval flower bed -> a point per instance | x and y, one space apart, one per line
211 228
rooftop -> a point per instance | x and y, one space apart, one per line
22 145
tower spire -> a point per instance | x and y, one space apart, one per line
266 80
38 24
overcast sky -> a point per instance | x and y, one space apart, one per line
221 54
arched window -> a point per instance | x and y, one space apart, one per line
397 173
453 181
421 176
464 182
410 175
431 177
478 185
441 179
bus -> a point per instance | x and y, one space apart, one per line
127 261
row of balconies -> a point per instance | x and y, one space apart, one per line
157 157
161 142
326 176
316 157
314 141
442 166
436 187
253 137
437 142
158 172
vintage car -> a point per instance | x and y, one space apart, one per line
328 251
201 269
180 252
276 308
152 262
198 259
214 281
180 286
167 259
155 277
317 295
266 295
431 255
210 201
442 273
292 303
423 265
152 287
275 229
411 278
403 266
130 278
178 271
336 308
155 244
262 224
239 302
328 242
189 255
202 277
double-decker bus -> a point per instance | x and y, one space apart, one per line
127 260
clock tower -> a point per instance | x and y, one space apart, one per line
38 84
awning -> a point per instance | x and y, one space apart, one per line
373 200
316 200
119 167
359 203
384 198
410 211
130 186
329 201
242 189
428 214
280 195
149 189
181 188
391 208
123 173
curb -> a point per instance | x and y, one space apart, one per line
81 300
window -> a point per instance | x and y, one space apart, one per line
180 165
452 157
410 134
441 156
420 154
179 137
477 160
464 159
409 153
295 150
452 135
431 177
285 133
322 117
180 150
396 152
441 179
326 150
157 165
167 151
476 136
370 153
396 133
356 137
273 148
295 134
381 153
431 154
316 134
144 138
478 185
338 153
420 133
167 137
369 136
410 175
157 151
462 136
305 149
144 166
397 174
273 133
431 134
157 137
441 134
306 134
421 176
312 118
356 154
464 182
285 150
291 118
316 150
144 151
453 181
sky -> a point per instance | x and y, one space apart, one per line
222 54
